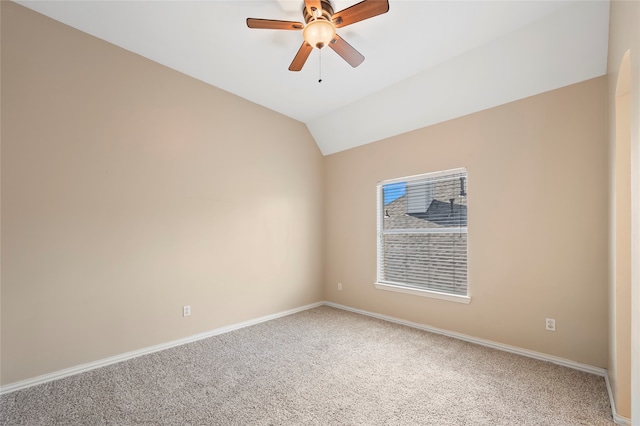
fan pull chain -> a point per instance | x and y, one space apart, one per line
320 66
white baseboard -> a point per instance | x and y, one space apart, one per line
12 387
618 419
507 348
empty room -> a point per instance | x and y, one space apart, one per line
320 212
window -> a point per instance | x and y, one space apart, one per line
422 235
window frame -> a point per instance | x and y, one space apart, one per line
380 211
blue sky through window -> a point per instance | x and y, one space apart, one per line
393 191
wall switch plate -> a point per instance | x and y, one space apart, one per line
186 310
339 286
550 324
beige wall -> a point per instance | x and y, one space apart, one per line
130 190
537 171
624 135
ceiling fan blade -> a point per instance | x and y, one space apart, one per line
272 24
360 11
301 57
346 51
312 4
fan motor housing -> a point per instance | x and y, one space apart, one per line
327 11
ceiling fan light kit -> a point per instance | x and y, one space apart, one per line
319 29
319 33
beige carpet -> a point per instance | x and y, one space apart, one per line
319 367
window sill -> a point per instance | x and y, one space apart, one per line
424 293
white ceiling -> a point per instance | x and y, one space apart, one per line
426 61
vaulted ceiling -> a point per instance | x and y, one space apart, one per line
425 61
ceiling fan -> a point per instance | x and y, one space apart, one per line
319 29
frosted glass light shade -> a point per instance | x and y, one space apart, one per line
319 33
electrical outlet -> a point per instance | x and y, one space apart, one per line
339 286
186 310
550 324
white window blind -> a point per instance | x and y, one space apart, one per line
422 232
